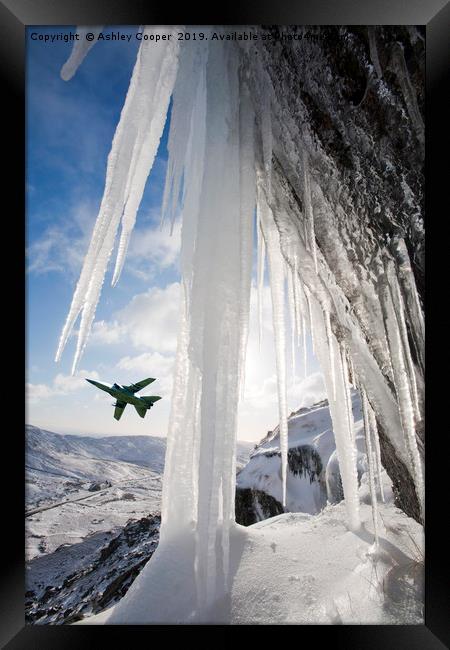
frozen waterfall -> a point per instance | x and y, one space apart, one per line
224 152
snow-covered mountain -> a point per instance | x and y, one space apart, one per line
313 478
79 486
92 518
59 466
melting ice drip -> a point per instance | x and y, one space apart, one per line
219 169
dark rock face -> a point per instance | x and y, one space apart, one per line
251 502
353 99
99 582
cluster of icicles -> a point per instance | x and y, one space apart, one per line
219 172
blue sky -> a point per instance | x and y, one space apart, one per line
70 126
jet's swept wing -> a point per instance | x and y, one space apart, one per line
100 385
134 388
120 408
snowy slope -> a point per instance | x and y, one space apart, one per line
295 568
79 486
313 477
92 519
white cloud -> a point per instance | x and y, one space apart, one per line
61 385
62 246
149 321
308 391
152 318
107 332
37 392
155 245
151 364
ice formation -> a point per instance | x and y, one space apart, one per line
227 134
80 49
371 461
130 160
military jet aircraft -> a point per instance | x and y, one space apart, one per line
126 395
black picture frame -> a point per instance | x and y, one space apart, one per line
15 16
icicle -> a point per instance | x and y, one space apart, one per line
376 439
297 302
342 424
300 309
260 274
276 273
184 96
311 328
247 183
397 301
411 296
402 388
265 111
305 356
330 350
348 398
309 214
136 115
293 317
79 51
401 70
371 464
374 51
154 106
216 327
352 372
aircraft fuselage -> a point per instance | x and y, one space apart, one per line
127 395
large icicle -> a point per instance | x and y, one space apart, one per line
216 251
276 273
184 95
247 182
180 497
154 104
135 118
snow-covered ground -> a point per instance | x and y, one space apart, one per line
305 566
298 567
294 568
79 486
